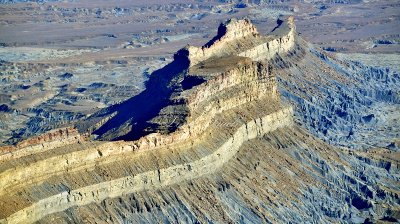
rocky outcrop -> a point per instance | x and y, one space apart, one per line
50 140
240 37
198 94
214 144
151 179
198 83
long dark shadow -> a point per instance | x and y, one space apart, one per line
139 109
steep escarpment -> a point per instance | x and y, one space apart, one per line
209 140
198 76
50 140
241 38
284 176
203 112
186 165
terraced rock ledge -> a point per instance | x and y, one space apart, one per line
209 140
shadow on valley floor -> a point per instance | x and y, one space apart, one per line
132 116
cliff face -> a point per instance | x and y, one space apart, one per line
240 37
209 140
50 140
204 80
224 146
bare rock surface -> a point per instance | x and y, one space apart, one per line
111 47
227 132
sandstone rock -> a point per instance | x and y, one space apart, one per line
214 144
50 140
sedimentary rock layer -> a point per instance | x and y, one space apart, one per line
222 152
208 100
50 140
213 144
241 38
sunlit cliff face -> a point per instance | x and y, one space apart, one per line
227 132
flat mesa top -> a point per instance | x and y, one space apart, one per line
216 65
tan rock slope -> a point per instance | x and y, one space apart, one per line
208 141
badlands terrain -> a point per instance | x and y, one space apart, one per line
199 111
63 60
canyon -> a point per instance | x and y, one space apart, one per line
248 128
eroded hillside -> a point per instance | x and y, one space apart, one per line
61 61
210 140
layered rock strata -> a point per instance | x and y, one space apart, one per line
224 142
194 84
209 140
199 92
242 38
50 140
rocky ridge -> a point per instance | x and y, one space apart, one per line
242 38
175 101
50 140
214 144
